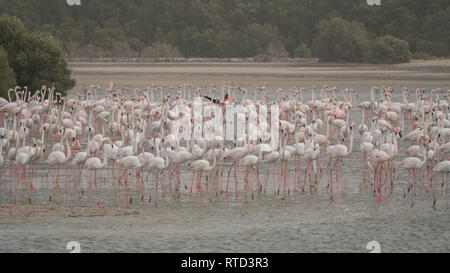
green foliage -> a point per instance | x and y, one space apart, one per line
389 50
421 55
231 28
255 39
341 41
433 47
436 34
277 50
160 50
35 58
302 51
7 79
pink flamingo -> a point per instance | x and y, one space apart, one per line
442 168
250 161
95 164
412 164
235 155
200 166
338 151
57 158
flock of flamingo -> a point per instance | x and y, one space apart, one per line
126 137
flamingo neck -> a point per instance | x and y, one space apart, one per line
214 160
69 150
351 143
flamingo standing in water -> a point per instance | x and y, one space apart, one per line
442 168
235 155
338 152
200 166
57 158
95 164
285 155
270 159
311 154
250 161
412 164
127 163
23 157
158 164
128 119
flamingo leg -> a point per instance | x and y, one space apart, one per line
257 179
320 167
246 185
266 179
330 182
48 185
331 175
274 181
380 182
198 187
56 181
192 182
99 204
446 188
299 169
156 188
285 180
228 178
410 187
17 185
89 188
308 165
236 182
337 181
80 185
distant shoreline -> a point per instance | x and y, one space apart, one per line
188 60
314 62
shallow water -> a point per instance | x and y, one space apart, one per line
267 225
300 223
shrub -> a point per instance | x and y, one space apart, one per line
389 50
7 79
302 51
277 50
422 56
122 49
261 58
433 47
340 40
161 50
35 58
254 39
